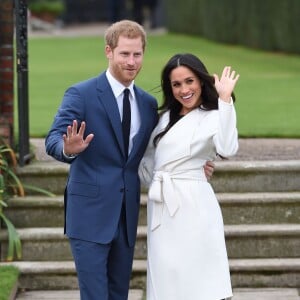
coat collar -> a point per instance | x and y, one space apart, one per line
176 143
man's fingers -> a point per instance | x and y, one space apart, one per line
208 171
210 164
69 131
74 127
72 130
81 128
89 138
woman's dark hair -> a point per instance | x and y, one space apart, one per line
209 95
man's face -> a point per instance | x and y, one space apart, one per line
125 61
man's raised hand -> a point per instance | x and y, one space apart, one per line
74 142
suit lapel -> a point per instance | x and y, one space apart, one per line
109 102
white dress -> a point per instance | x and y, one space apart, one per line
187 257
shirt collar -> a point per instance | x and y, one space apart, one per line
116 86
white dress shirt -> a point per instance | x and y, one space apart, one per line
118 91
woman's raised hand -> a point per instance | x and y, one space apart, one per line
225 85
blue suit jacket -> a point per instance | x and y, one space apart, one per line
99 176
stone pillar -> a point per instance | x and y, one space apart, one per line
6 70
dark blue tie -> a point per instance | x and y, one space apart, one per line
126 120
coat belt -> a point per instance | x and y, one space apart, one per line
162 192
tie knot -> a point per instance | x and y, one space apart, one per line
126 92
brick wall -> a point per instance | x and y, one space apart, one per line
6 70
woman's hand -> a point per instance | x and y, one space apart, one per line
74 143
225 85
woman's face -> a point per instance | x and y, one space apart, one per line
186 88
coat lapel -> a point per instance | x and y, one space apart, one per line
176 143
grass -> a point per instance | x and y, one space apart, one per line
8 278
267 92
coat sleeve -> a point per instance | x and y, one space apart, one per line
226 137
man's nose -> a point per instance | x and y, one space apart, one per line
131 60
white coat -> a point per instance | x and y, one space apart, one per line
187 257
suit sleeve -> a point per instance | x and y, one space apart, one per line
72 108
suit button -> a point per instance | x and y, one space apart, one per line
121 190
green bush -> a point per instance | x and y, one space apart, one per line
269 24
54 7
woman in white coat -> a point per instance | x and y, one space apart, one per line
187 257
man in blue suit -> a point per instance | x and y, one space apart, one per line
102 195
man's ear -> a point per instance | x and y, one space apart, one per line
108 51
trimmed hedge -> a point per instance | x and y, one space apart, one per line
270 24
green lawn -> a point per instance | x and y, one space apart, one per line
8 278
268 97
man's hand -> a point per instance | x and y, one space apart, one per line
74 143
209 169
